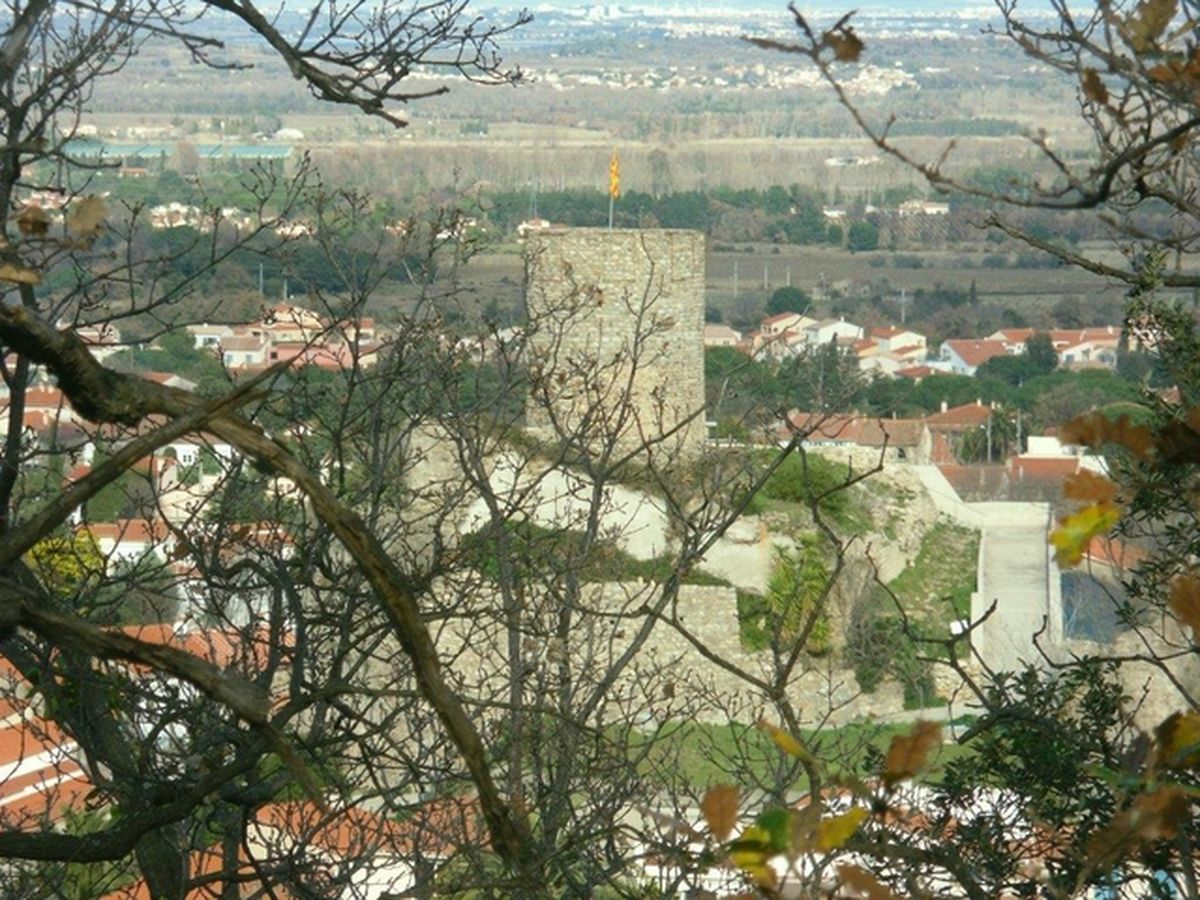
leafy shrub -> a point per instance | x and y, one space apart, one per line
797 585
878 648
803 478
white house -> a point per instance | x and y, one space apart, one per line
244 350
901 341
965 356
206 335
716 335
131 540
784 322
827 330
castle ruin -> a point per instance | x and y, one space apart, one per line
616 338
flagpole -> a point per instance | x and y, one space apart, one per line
614 186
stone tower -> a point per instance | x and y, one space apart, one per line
616 337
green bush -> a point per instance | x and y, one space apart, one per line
878 648
803 478
797 584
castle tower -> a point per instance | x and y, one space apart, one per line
616 338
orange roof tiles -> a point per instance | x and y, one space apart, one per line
976 353
915 372
1046 468
969 415
864 431
138 531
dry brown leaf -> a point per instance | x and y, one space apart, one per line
33 221
805 829
909 753
1177 741
18 274
1093 87
720 808
1095 430
1151 817
1163 73
1148 22
1185 601
1089 487
864 883
846 45
86 216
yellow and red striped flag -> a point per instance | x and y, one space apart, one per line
614 177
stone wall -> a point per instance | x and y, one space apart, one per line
669 677
616 336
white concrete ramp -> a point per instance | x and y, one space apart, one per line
1016 570
1016 573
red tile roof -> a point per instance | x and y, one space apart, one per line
781 317
137 531
1111 551
865 431
239 343
969 415
1043 468
976 353
1015 335
915 372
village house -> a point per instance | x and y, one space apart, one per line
131 540
102 340
778 347
290 333
40 773
206 335
888 350
773 326
949 428
524 229
244 351
965 356
907 440
923 208
170 379
718 335
1077 348
838 329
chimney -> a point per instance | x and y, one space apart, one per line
943 406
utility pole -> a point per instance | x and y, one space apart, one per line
735 279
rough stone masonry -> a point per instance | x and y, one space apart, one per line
616 338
